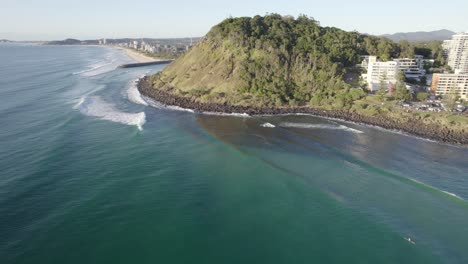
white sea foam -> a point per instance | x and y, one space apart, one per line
134 95
452 194
159 105
394 131
227 114
320 126
97 107
79 102
97 68
269 125
434 188
178 108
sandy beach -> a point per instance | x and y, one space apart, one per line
137 56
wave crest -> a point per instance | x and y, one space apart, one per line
96 107
134 95
269 125
320 126
97 68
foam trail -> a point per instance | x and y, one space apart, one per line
227 114
134 95
95 106
98 68
452 194
434 188
156 104
269 125
93 67
79 102
320 126
159 105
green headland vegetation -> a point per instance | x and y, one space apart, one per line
280 61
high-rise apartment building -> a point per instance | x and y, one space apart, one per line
456 51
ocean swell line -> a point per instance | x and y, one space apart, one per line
96 107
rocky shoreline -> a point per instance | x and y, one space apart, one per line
413 127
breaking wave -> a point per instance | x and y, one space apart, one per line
159 105
227 114
269 125
320 126
134 95
95 106
434 188
79 103
97 68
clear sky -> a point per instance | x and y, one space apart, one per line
91 19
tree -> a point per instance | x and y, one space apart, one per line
406 49
422 96
382 87
401 77
423 80
424 51
450 99
401 92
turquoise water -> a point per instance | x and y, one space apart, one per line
93 173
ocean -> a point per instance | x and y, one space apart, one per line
92 172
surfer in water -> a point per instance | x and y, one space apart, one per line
409 240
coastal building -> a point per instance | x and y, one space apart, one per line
456 51
364 62
412 67
446 48
378 72
149 48
443 84
388 71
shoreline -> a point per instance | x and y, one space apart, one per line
412 127
135 55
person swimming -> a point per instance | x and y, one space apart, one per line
409 240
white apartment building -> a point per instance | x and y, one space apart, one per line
378 71
446 47
457 52
415 63
412 68
444 83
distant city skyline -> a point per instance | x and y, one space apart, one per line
86 19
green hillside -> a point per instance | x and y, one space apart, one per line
272 61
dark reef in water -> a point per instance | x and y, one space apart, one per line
413 127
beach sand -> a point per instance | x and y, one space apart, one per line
137 56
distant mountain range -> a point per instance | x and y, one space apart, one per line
421 35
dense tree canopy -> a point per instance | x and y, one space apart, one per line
283 59
295 59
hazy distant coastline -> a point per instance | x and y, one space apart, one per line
136 56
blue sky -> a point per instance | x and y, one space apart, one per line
88 19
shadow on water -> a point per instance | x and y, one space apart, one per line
353 169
